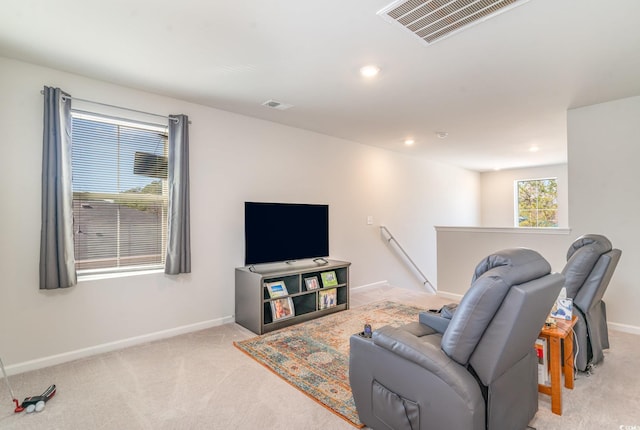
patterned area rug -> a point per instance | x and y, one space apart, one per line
314 356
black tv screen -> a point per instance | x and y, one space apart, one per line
276 232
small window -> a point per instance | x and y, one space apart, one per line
119 177
537 203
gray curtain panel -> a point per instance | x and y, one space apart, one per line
178 236
57 262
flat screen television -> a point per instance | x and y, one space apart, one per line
277 232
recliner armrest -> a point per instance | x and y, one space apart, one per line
439 321
435 320
414 348
425 351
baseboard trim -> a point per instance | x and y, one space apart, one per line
374 284
65 357
452 296
626 328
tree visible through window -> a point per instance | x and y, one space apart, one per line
537 204
119 194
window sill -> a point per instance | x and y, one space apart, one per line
111 275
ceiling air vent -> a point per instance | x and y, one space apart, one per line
276 105
433 20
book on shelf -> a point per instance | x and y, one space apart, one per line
276 289
327 298
312 283
543 364
282 308
329 279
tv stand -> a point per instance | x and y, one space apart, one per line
253 308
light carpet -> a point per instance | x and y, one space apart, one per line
314 356
200 380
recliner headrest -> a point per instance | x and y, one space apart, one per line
582 256
493 278
600 244
519 265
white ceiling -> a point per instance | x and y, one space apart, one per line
497 88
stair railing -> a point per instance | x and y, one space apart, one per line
390 238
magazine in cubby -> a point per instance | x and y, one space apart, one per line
327 298
282 309
329 279
312 283
276 289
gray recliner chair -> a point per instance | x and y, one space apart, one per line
477 370
591 261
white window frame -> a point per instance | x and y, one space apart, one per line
516 202
118 271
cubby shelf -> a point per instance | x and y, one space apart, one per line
253 303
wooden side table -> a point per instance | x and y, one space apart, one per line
556 336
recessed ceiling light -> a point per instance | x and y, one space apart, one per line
369 71
442 134
409 142
534 149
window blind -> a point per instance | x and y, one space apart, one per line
119 171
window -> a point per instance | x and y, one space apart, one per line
537 203
119 194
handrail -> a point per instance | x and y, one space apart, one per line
415 266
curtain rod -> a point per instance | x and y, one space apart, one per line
64 97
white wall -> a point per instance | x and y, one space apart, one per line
461 249
233 158
602 176
497 194
603 151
